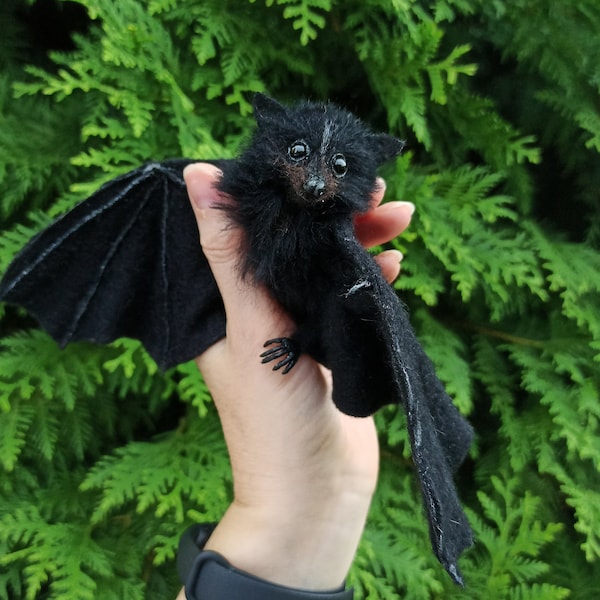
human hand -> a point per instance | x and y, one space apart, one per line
304 473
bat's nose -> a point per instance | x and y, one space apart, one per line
315 186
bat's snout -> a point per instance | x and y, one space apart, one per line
315 187
309 187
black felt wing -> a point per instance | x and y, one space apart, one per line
376 359
112 267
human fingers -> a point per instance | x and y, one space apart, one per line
378 193
389 263
383 223
220 241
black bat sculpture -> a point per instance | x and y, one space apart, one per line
124 263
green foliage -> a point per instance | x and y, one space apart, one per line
306 16
104 460
511 538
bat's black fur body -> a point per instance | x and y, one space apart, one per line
124 263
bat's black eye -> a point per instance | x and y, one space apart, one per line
298 150
339 165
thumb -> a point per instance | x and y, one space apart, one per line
220 240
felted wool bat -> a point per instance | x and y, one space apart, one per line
121 264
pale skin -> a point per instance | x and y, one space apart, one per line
303 472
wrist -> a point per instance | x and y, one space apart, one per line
310 547
210 576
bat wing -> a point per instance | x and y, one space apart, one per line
376 359
124 263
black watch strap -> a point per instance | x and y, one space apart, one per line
209 576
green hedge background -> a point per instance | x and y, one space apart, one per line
104 461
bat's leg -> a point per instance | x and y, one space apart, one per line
287 348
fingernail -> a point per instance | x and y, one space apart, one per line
200 179
380 185
399 256
395 204
409 205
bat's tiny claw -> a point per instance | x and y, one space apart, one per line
286 348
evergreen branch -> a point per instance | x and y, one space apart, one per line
154 484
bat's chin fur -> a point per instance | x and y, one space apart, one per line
310 202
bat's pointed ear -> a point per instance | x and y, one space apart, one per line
267 109
387 147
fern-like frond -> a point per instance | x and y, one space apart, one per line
142 474
306 16
62 556
34 367
510 539
15 421
28 127
191 388
572 272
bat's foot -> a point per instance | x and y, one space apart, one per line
286 348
